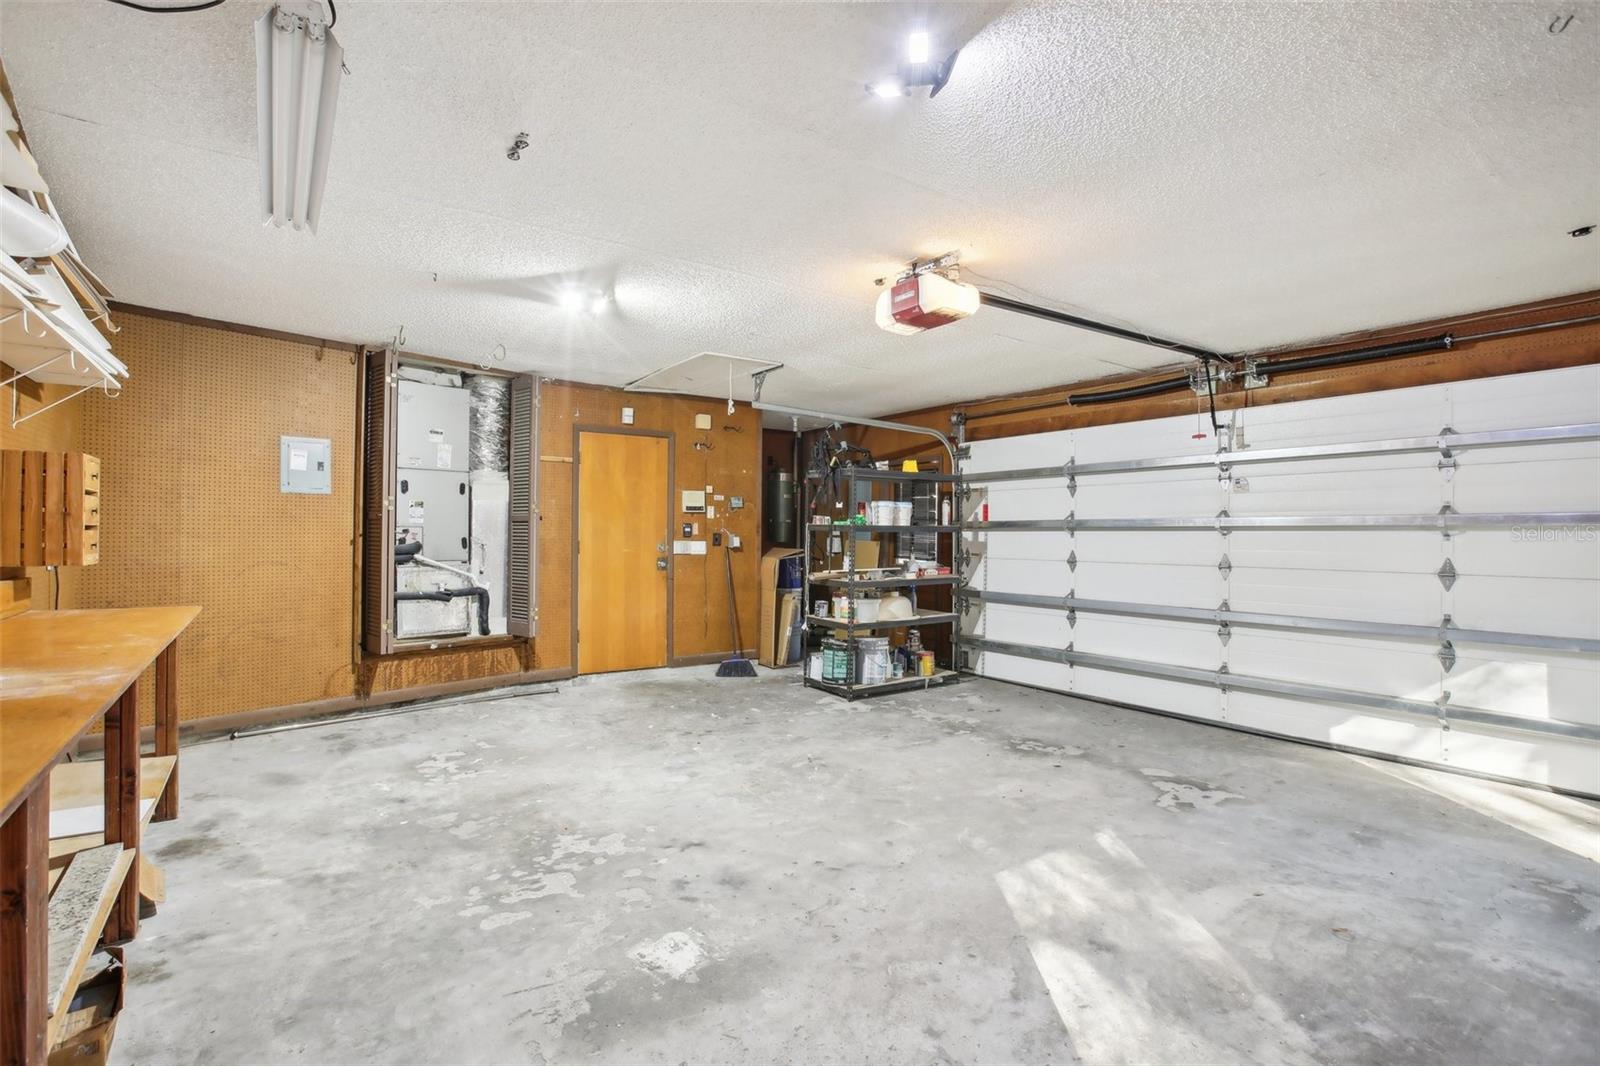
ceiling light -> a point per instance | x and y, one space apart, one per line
917 47
925 301
598 305
573 299
298 67
917 71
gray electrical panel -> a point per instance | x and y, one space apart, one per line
431 427
305 465
431 506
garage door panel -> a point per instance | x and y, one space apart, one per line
1385 668
1549 484
1552 761
1055 676
1144 546
1164 584
1410 599
1389 490
1526 683
1547 606
1197 701
1359 417
1022 625
1013 501
1337 724
1395 551
1157 438
1546 552
1009 453
1173 643
1154 497
1549 398
1049 578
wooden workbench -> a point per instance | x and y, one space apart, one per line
60 672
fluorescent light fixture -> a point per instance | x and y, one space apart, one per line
917 47
298 68
888 87
598 305
573 299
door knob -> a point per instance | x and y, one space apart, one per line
661 564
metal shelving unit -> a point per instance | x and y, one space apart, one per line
851 478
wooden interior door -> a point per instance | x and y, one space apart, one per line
623 551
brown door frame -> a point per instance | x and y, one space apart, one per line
578 430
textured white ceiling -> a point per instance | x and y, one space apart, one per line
1237 175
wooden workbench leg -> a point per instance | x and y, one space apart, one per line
167 727
24 930
122 807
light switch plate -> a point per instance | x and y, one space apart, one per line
305 465
702 421
627 416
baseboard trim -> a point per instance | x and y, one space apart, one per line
199 728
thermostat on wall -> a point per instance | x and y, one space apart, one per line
305 465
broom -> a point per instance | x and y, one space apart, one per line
738 666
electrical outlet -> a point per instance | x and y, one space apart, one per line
716 540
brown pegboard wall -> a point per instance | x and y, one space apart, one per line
193 513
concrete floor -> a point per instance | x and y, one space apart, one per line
662 867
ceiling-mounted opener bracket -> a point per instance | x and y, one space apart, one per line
758 379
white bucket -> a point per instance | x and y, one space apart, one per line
902 513
872 659
867 610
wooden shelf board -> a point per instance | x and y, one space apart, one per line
79 908
80 786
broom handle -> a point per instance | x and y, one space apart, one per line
733 605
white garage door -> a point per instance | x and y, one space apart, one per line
1318 595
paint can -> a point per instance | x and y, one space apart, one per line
819 608
872 659
836 665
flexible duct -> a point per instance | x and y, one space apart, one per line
489 441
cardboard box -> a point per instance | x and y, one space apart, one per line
768 651
83 1035
788 622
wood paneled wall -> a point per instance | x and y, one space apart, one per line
727 457
194 515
